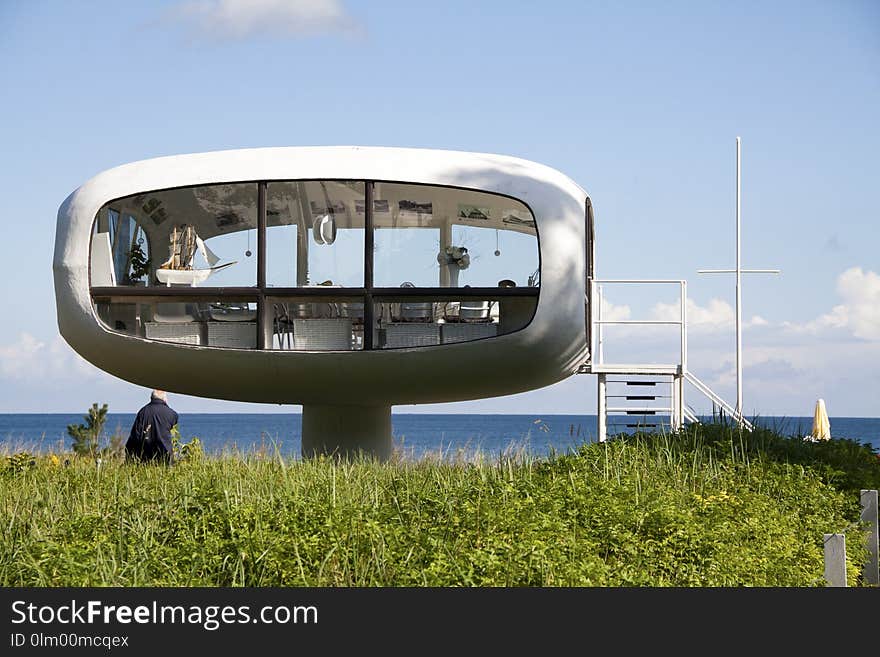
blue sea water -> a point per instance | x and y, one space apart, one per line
416 435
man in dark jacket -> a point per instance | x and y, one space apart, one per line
150 437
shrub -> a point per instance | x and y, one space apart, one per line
191 451
86 437
19 462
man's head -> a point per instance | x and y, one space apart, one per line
161 395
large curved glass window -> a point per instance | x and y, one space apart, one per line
315 265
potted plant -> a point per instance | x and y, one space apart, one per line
139 264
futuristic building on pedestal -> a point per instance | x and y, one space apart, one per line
345 279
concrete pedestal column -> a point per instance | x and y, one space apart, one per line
347 431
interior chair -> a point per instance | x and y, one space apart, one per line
421 311
473 310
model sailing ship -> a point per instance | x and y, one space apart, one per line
178 269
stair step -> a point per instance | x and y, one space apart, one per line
639 397
635 410
644 382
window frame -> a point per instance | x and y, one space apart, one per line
368 293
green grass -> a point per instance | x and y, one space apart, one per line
707 507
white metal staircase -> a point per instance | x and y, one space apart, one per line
629 391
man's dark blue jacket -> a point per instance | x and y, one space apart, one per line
150 435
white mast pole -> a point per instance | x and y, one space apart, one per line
739 365
739 271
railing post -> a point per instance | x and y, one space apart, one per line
602 427
599 355
593 328
677 402
870 572
684 341
679 380
673 407
835 559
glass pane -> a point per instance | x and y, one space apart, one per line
191 236
407 236
120 250
421 321
314 234
446 237
496 256
316 324
222 323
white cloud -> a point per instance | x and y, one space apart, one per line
613 313
717 315
30 359
861 302
16 359
788 378
859 313
241 19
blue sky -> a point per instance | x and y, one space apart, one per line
639 103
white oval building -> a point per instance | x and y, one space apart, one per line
345 279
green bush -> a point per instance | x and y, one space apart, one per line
19 462
847 464
87 437
191 451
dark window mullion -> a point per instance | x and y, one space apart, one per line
452 293
261 263
316 291
368 265
175 292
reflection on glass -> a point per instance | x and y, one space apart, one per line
422 322
222 323
191 236
314 234
316 324
447 237
120 250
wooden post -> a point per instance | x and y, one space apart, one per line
835 559
870 572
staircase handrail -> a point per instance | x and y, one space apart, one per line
708 392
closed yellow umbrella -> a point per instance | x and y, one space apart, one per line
821 424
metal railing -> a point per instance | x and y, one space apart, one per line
690 416
596 337
706 390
